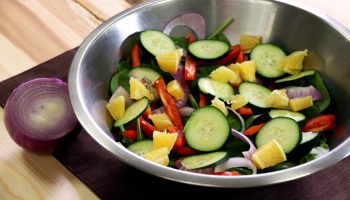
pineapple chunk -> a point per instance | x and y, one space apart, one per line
300 103
161 121
278 99
164 139
160 156
235 69
248 42
169 61
225 75
247 70
216 102
116 107
175 89
138 90
238 101
293 63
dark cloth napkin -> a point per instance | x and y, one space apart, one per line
110 178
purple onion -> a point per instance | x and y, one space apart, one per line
298 92
38 114
236 162
194 21
252 149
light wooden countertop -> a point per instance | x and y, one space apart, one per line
33 31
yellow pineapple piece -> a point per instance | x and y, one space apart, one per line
225 75
247 70
235 69
116 107
161 121
169 61
278 99
139 90
269 155
238 101
293 63
300 103
216 102
164 139
159 156
175 89
248 42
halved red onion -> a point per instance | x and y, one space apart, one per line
179 77
201 171
252 149
236 162
38 114
194 21
239 117
298 92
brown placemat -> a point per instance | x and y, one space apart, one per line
109 178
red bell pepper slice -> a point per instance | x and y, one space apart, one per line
135 55
146 127
202 100
190 69
245 110
320 123
253 129
227 173
169 103
131 134
184 151
240 57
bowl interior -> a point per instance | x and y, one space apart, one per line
277 22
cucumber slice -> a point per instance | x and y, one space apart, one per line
255 93
296 76
208 49
308 137
285 130
308 142
207 129
297 116
133 111
156 42
205 160
147 76
141 147
223 91
268 58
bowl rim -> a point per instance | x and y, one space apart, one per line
116 148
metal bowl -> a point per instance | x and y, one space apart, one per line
287 24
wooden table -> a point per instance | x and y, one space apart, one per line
33 31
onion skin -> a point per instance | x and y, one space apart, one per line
38 114
194 21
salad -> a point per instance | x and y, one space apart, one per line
204 105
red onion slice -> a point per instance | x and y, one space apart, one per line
236 162
201 171
239 117
247 154
194 21
38 114
186 111
298 92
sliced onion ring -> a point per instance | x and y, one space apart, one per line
247 154
38 114
194 21
236 162
298 92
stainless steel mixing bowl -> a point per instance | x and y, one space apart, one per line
285 23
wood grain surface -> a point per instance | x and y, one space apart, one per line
33 31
